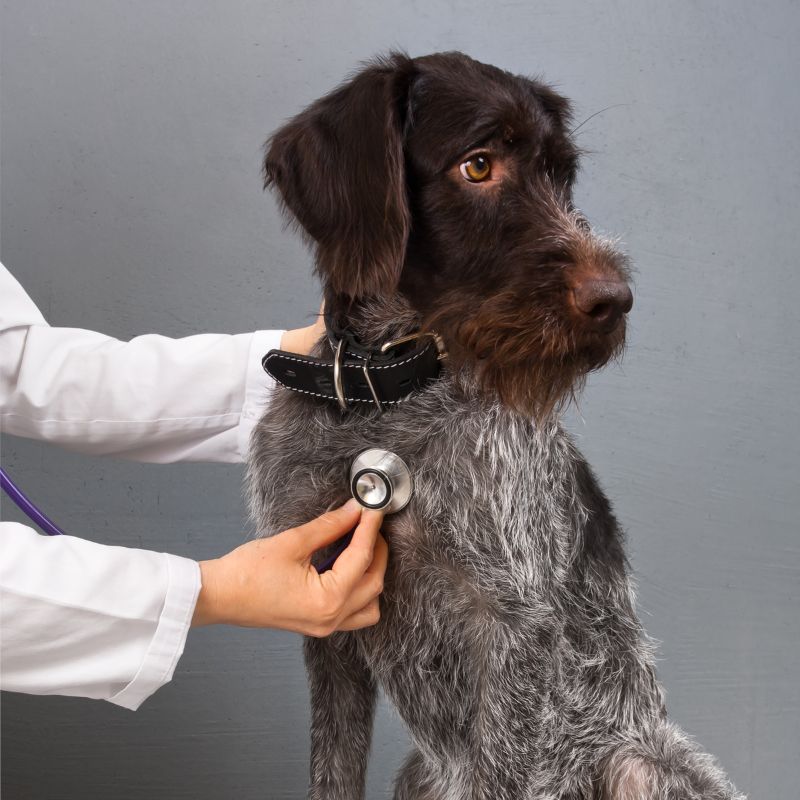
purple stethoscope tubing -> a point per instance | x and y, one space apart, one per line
18 496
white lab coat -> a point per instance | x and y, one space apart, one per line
85 619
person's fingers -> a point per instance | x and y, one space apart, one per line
371 583
327 528
355 559
380 557
363 618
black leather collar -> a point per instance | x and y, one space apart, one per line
357 375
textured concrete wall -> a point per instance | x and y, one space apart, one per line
131 203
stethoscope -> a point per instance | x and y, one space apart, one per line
379 480
27 506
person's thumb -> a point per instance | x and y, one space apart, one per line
328 527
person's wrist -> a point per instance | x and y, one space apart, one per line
300 340
207 609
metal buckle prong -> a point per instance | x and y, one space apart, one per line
365 368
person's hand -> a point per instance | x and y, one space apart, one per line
271 583
302 340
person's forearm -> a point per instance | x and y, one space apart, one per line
150 399
153 398
90 620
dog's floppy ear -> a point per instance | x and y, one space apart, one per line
339 169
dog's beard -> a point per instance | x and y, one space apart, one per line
533 360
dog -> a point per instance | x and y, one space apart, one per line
437 195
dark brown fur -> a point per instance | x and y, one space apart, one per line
369 172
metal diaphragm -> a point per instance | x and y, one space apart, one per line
380 479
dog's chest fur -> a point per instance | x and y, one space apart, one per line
503 552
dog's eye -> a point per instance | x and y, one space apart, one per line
476 169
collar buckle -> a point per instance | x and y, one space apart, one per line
385 347
337 379
412 337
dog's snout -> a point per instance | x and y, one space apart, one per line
602 303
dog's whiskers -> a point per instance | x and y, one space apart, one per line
596 114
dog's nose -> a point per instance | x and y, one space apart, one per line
602 303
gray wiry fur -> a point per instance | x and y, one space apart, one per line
508 641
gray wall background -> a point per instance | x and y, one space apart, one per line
131 203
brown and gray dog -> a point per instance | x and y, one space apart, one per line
437 192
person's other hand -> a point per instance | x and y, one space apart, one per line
302 340
271 583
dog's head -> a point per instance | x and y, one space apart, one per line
450 182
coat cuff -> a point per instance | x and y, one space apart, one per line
169 638
258 386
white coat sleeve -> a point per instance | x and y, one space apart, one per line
150 399
90 620
81 618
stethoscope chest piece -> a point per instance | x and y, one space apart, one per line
380 479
